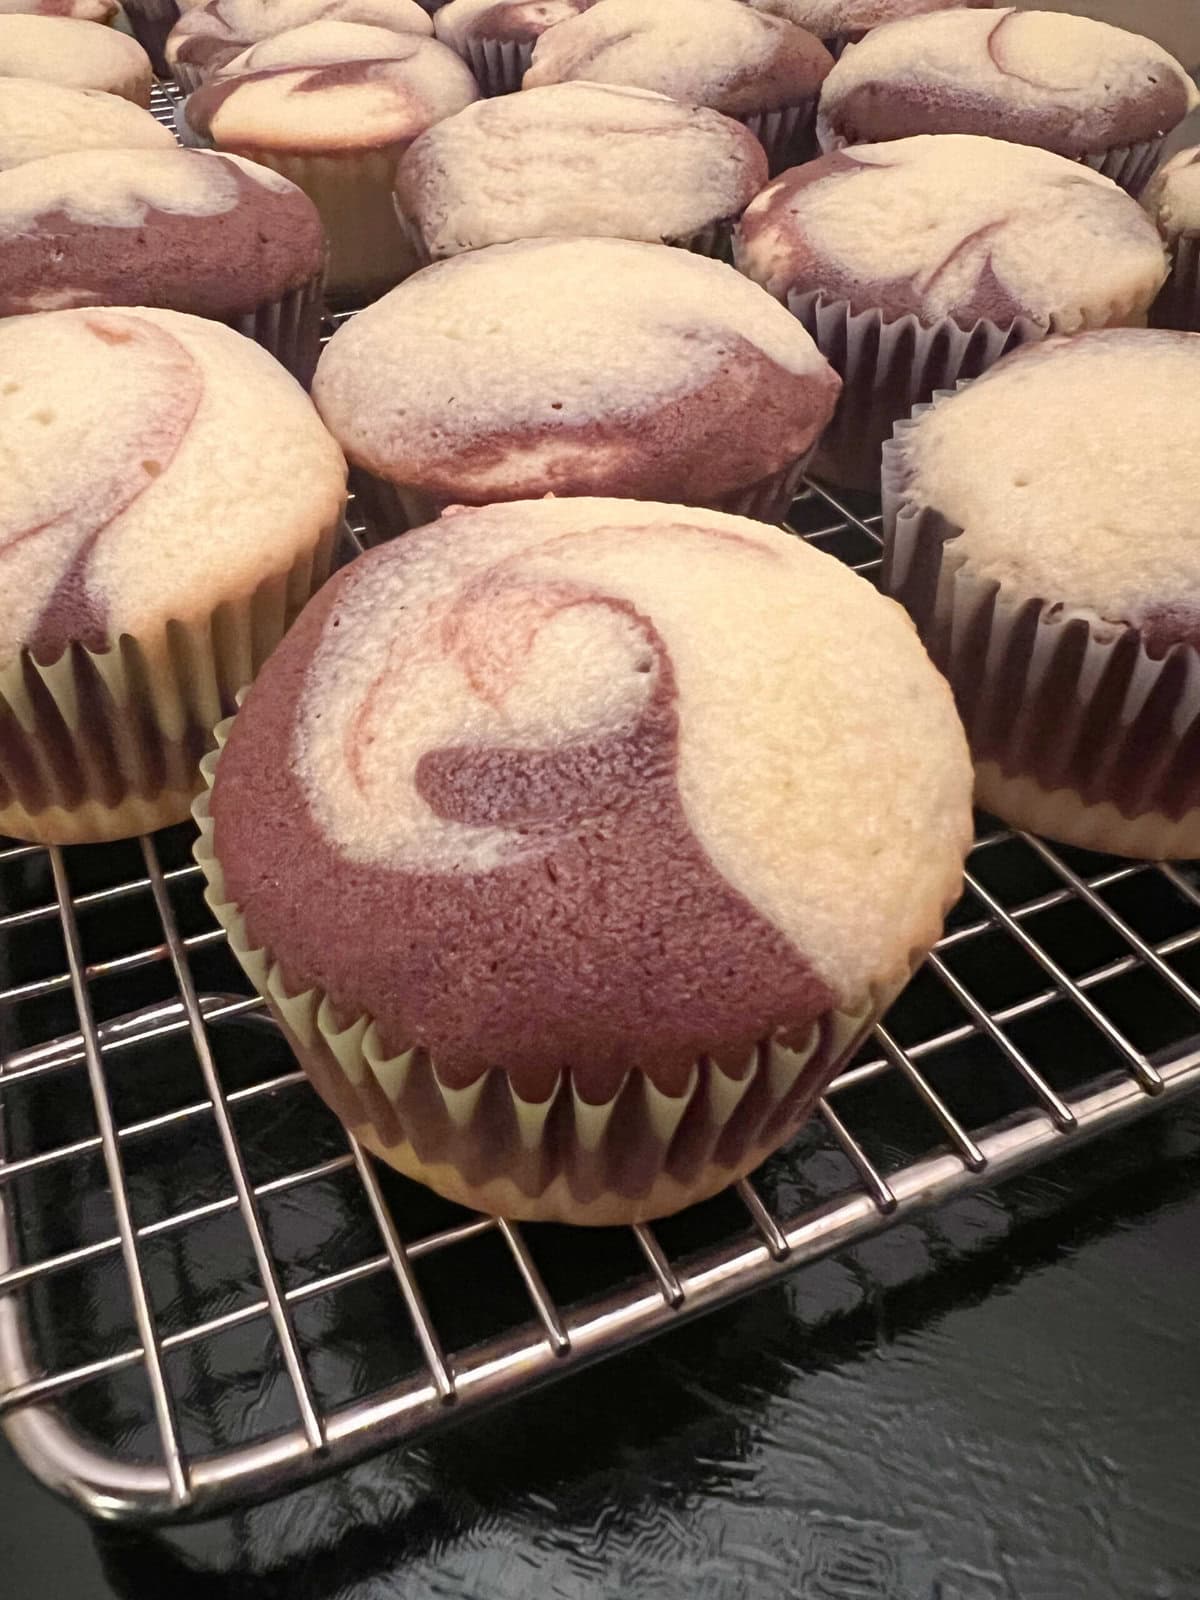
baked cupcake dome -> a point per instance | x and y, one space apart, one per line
43 119
841 22
102 11
1078 87
1043 529
590 809
149 560
583 159
982 243
188 230
209 36
1172 198
77 55
333 106
496 37
574 367
716 53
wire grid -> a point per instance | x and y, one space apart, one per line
1061 1001
209 1294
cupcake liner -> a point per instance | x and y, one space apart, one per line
1128 165
787 135
289 328
499 65
389 509
1178 303
1076 730
886 368
150 21
368 250
639 1155
99 745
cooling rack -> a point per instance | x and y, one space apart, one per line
209 1294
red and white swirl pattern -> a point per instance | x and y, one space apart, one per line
597 783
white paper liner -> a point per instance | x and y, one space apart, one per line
390 509
886 368
101 745
637 1156
289 328
188 75
1076 730
787 135
499 65
1178 303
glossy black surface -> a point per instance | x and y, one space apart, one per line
1000 1403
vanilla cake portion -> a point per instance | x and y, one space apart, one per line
78 55
45 119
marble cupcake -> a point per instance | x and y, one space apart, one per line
716 53
583 159
209 36
1173 199
78 55
333 106
921 261
1043 528
187 230
574 367
42 119
171 503
838 23
576 844
101 11
496 37
1078 87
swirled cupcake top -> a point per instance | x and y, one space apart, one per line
828 18
78 55
1073 469
102 11
210 35
717 53
590 784
1070 84
331 86
187 229
463 20
571 366
955 226
152 463
577 158
43 119
1172 197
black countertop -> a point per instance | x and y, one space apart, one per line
996 1404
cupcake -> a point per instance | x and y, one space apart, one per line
333 106
188 230
662 374
101 11
716 53
42 119
171 502
922 261
77 55
1080 88
838 23
496 37
1043 528
583 159
209 36
576 844
1173 199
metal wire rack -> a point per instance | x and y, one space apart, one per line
209 1294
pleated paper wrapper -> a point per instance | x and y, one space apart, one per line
1077 731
